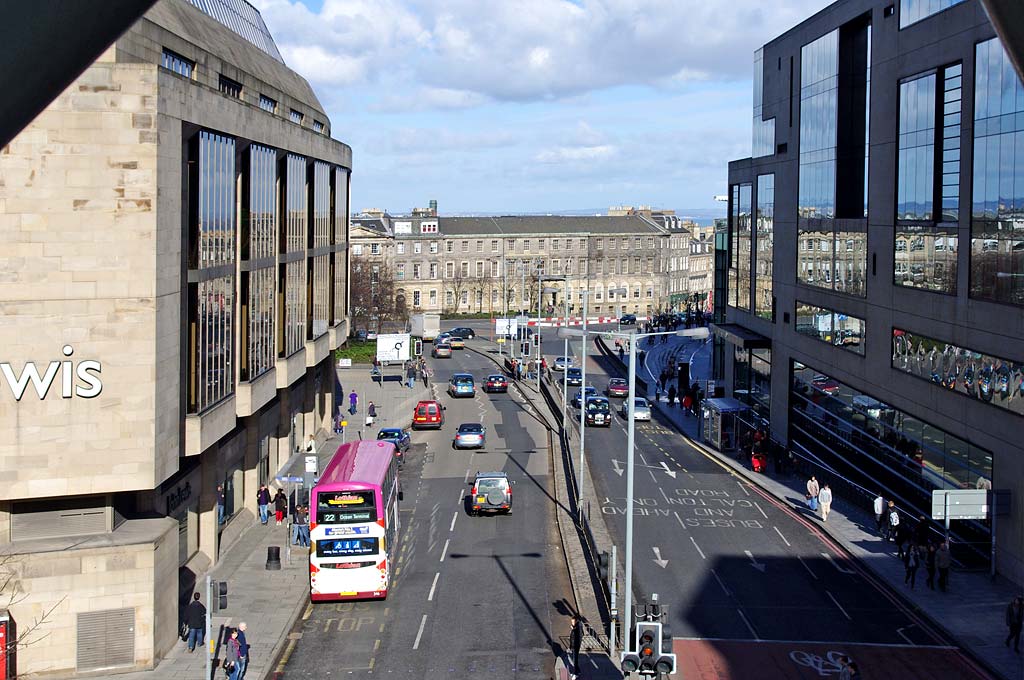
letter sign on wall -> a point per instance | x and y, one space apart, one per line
87 373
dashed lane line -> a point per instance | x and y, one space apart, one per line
419 633
833 598
702 555
444 551
452 526
760 510
782 537
749 627
815 576
430 596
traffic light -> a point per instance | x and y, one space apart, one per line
418 348
222 595
648 646
666 662
536 339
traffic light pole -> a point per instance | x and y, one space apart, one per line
630 450
614 611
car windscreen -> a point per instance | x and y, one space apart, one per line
471 429
595 406
463 380
493 484
387 435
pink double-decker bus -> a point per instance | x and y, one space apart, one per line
353 525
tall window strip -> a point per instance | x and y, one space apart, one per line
340 255
912 11
212 253
991 379
763 143
952 89
997 212
740 247
764 305
173 61
835 328
819 101
258 284
319 279
292 332
916 181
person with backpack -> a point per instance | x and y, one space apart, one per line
263 503
894 522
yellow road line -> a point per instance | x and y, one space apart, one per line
284 657
309 610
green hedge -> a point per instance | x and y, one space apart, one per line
358 352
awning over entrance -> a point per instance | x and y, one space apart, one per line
742 337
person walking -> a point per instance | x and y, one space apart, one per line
263 502
410 375
243 650
221 500
663 378
671 395
942 562
879 508
576 641
813 489
353 402
825 499
929 566
1015 621
195 620
371 413
911 560
280 506
302 525
311 444
426 375
893 522
232 655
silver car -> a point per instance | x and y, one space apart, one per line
470 436
562 363
641 409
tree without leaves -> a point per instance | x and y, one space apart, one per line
457 284
11 594
374 301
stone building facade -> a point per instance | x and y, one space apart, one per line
490 264
165 221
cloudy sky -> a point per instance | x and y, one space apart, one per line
533 105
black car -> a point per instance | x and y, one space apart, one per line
627 319
464 333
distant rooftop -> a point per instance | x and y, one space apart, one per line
243 19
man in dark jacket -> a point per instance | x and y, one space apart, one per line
263 501
243 651
195 619
575 642
1015 621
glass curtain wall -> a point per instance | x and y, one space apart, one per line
259 239
912 11
827 325
764 304
997 213
764 130
292 274
740 247
819 102
319 264
340 256
212 261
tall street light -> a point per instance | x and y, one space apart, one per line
618 291
541 289
700 333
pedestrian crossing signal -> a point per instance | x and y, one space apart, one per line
222 595
418 348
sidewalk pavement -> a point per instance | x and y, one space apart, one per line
971 612
270 602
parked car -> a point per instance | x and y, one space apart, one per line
428 414
461 385
470 436
627 319
825 384
562 363
441 351
490 492
617 387
598 412
641 409
371 335
590 390
400 438
462 332
574 376
496 383
455 342
360 335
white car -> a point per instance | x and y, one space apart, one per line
562 363
641 409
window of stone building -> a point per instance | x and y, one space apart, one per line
231 88
449 269
600 244
479 246
417 248
433 247
400 248
268 104
465 246
296 117
495 246
183 66
449 246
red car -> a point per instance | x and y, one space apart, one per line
617 387
825 384
496 383
428 414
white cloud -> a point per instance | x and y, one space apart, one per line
572 154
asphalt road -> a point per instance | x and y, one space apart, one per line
486 595
732 563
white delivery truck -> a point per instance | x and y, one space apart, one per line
425 326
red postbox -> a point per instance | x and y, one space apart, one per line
8 638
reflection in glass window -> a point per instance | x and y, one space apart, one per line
740 247
178 64
763 304
340 227
292 328
952 79
887 450
925 258
997 213
993 380
764 130
851 262
268 104
319 279
259 246
912 11
835 328
916 184
819 91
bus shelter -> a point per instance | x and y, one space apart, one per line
723 417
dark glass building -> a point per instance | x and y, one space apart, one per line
873 262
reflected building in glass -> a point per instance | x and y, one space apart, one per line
856 327
196 257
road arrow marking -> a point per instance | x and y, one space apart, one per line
670 473
617 465
657 558
841 568
754 563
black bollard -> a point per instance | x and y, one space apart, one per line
273 558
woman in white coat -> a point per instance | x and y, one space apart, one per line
825 500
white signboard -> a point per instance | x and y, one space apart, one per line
506 327
311 462
393 347
403 227
344 363
962 503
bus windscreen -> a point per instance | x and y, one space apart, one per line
345 507
347 547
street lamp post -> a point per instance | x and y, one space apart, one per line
565 354
583 394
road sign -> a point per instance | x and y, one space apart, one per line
962 504
294 480
311 464
393 347
344 363
506 327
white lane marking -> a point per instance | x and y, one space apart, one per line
832 597
899 631
433 585
744 488
760 510
679 519
807 568
782 537
653 478
452 526
419 633
642 459
444 551
702 555
665 495
467 475
749 627
727 593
